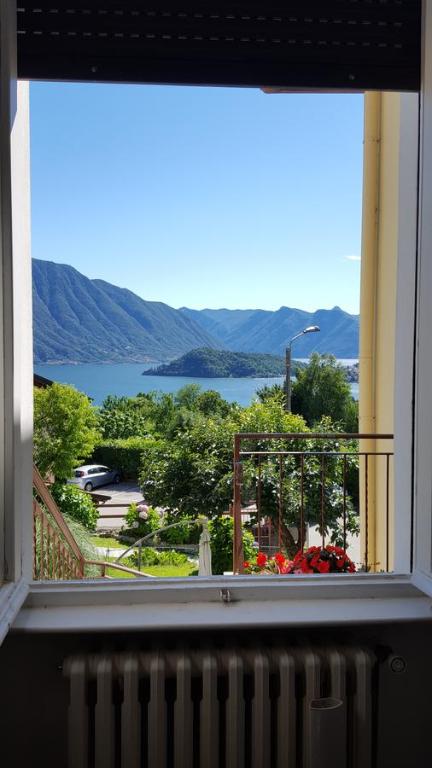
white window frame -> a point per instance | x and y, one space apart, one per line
422 480
230 601
16 414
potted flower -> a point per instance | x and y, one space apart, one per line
263 564
328 559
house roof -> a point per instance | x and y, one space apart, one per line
41 382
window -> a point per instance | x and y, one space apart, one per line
207 603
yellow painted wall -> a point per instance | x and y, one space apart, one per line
378 318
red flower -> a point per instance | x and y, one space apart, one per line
261 559
324 566
246 564
305 567
280 558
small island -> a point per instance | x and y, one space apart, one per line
209 363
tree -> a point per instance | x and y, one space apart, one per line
191 473
270 391
65 429
123 417
321 390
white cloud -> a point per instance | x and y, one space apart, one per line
352 257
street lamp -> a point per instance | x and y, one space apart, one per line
309 329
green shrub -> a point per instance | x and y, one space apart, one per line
139 526
122 454
183 533
76 504
150 556
221 535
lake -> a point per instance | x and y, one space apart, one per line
98 381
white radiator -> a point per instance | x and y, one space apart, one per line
226 708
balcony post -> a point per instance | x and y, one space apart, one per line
238 556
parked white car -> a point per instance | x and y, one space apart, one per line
93 475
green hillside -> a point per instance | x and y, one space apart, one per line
80 320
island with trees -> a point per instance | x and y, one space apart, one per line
209 363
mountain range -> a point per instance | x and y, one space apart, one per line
259 330
81 320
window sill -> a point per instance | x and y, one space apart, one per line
253 602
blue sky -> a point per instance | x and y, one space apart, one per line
201 197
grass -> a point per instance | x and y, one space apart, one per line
162 571
108 542
170 571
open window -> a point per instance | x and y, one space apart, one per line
151 47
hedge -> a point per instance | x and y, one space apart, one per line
122 454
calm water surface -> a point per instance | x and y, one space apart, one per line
98 381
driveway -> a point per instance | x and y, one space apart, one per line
112 513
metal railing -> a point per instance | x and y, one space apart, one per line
289 486
56 553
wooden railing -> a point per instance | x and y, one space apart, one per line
56 553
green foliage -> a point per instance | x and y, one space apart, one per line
211 403
65 432
213 363
351 417
124 417
83 539
76 504
123 454
191 475
221 536
322 389
142 520
185 531
150 556
270 392
282 487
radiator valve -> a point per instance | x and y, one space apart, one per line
397 664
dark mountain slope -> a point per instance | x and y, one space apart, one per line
82 320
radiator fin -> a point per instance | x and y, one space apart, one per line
235 714
209 714
157 731
261 714
78 713
286 713
131 716
183 716
104 716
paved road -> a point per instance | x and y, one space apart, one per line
111 517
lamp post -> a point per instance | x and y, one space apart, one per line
309 329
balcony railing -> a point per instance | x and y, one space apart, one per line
56 554
297 490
